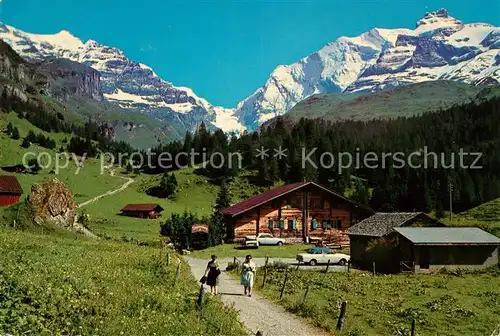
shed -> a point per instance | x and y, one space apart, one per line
423 249
199 236
374 239
10 190
142 210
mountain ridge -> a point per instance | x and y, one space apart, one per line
440 47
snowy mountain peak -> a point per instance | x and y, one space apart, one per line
130 85
436 20
440 47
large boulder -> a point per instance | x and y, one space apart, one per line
53 202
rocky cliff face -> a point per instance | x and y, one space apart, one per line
19 78
72 78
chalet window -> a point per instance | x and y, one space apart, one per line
297 203
282 224
292 224
316 203
330 224
339 223
274 224
313 224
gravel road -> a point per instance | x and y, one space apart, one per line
256 312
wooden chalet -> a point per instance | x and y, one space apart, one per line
10 190
142 210
298 210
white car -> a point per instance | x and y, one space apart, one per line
263 239
321 255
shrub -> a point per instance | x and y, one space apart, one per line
232 266
278 265
26 143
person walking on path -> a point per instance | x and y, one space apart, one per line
212 273
248 274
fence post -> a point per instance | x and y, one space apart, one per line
177 273
265 275
267 260
306 294
340 322
298 264
348 266
374 272
234 260
284 284
327 266
168 259
200 297
413 327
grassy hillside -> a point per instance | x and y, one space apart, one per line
402 101
441 304
485 216
87 183
58 283
195 194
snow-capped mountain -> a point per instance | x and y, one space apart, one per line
440 47
131 85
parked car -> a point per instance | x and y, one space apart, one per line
263 239
321 255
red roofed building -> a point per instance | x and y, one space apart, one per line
142 210
302 209
10 190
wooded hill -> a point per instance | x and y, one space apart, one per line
474 128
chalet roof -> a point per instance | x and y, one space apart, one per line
142 207
382 223
274 193
10 185
447 236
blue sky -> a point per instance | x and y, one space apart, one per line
224 50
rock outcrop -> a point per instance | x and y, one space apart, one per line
76 79
53 202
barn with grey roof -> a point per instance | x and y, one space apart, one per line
432 248
367 235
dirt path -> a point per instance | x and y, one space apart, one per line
108 193
256 312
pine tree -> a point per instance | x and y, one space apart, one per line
26 143
361 194
217 226
15 134
223 198
9 129
168 184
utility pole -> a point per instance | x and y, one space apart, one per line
451 201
